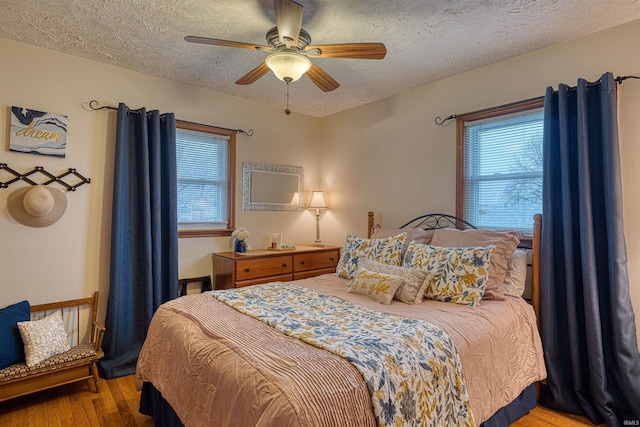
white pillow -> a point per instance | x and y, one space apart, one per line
377 286
43 338
514 281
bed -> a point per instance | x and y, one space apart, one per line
211 359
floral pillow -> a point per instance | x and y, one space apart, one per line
43 338
459 274
378 286
386 251
413 234
414 282
505 242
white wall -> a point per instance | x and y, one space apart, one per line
70 259
391 158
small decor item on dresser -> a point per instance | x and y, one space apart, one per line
240 236
240 246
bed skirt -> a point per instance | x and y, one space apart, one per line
152 403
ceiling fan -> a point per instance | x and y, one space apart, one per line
290 47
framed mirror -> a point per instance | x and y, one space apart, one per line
271 187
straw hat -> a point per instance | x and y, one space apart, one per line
37 206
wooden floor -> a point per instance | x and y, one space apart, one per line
77 405
117 405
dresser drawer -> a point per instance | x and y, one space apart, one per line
315 261
263 267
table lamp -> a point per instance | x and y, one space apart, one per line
317 203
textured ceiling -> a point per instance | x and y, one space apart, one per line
426 40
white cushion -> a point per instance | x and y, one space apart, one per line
43 338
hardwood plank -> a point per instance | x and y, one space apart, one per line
544 417
127 418
53 412
80 415
64 404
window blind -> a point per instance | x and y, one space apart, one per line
203 173
503 170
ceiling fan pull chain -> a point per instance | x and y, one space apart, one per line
287 111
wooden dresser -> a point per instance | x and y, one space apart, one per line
233 270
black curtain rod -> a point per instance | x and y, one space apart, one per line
93 104
619 79
439 121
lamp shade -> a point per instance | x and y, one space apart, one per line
317 201
288 65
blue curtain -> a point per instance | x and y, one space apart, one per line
144 234
587 321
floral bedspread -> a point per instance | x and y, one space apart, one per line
412 368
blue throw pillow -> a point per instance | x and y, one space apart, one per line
11 346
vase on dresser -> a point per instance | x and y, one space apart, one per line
240 246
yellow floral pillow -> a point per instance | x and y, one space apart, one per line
459 275
386 251
378 286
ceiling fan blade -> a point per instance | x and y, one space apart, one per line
349 50
228 43
288 21
320 78
253 75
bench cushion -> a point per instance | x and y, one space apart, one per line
73 356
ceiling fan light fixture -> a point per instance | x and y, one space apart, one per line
288 66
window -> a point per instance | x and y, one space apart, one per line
206 180
500 166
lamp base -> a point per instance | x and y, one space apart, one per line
318 244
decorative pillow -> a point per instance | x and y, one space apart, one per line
417 235
11 347
43 338
505 242
414 281
514 281
378 286
387 251
459 274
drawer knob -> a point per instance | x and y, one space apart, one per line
331 259
284 264
302 262
247 269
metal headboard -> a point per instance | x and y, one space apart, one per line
436 220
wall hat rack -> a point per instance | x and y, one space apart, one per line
75 179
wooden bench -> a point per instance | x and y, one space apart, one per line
77 364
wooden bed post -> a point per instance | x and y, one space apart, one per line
535 266
369 224
535 278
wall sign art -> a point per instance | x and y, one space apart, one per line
38 132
